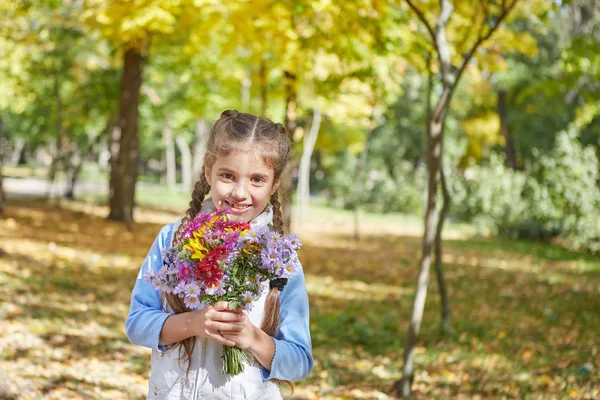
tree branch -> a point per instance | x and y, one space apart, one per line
486 16
505 11
423 20
446 8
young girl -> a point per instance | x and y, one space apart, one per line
242 170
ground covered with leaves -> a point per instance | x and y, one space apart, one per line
526 316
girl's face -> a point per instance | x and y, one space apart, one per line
241 182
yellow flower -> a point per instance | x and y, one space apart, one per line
196 247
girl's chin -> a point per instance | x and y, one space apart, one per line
239 218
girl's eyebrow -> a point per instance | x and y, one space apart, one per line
224 169
259 175
255 175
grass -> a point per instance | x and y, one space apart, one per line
525 315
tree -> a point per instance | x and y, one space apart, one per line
451 67
304 170
310 48
132 28
58 84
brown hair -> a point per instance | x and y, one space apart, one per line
236 131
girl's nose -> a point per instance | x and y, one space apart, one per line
239 191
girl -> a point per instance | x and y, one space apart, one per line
242 170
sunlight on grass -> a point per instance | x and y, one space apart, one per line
524 315
355 290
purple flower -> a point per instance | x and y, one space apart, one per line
192 290
185 270
191 302
248 298
216 290
180 288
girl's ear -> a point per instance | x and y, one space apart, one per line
207 175
275 186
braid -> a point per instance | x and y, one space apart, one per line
270 322
201 189
277 214
271 319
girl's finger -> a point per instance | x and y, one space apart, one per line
223 326
221 305
227 334
222 340
225 316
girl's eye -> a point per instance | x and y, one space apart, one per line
227 176
259 180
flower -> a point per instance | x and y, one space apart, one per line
215 290
248 298
221 260
192 290
191 302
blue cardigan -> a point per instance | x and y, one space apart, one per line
293 350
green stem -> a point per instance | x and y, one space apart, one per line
234 359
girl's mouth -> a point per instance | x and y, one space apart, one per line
237 208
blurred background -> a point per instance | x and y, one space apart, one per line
452 142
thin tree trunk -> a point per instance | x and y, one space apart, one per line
79 157
18 150
57 154
304 172
170 155
444 302
290 125
361 166
2 141
73 174
246 90
511 154
446 326
186 162
202 129
434 158
264 88
53 169
434 161
125 155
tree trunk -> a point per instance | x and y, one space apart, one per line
290 125
435 134
304 171
78 157
73 174
511 154
186 162
2 141
125 142
18 150
170 155
403 387
264 88
360 177
246 90
202 130
53 169
446 326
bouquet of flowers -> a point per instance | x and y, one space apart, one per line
221 260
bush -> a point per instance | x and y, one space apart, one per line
489 197
557 196
382 190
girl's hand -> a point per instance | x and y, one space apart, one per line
244 338
212 320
